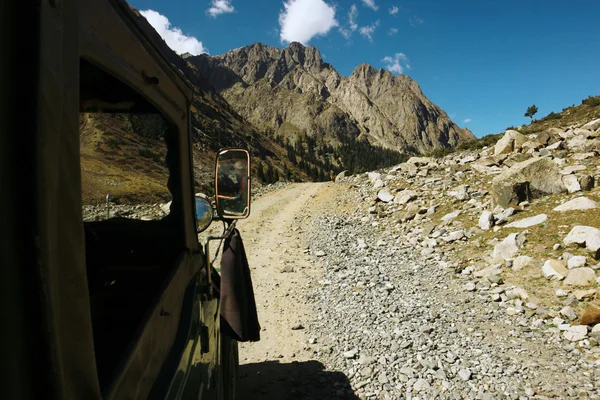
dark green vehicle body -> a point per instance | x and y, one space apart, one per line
154 332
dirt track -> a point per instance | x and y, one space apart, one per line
281 365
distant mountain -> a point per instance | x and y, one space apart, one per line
292 92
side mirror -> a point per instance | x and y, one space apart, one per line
232 183
204 213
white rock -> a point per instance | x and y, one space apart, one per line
378 184
584 276
571 183
570 169
511 141
578 203
576 333
405 196
521 262
555 146
592 125
517 293
576 262
568 313
451 216
528 222
385 195
507 248
585 235
561 293
554 269
486 220
374 176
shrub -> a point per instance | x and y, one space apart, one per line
591 101
551 116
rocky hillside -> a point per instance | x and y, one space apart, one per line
519 221
292 91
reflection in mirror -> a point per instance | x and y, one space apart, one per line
204 213
233 183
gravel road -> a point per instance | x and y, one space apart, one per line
348 311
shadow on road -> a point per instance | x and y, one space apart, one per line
305 380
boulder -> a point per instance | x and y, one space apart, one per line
374 176
506 249
585 236
486 220
575 333
385 196
592 125
340 176
511 141
571 169
521 262
571 183
576 262
411 211
450 216
586 182
584 276
527 180
554 269
591 316
419 161
527 222
405 196
579 203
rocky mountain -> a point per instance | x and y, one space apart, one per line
293 91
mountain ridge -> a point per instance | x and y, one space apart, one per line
388 110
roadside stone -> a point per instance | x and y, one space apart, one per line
528 222
554 269
465 374
511 141
576 333
521 262
583 294
586 182
579 203
541 173
339 177
385 196
584 276
576 262
571 183
450 216
585 236
405 196
590 316
486 220
568 313
507 248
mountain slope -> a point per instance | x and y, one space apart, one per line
294 87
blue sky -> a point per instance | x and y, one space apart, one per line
483 61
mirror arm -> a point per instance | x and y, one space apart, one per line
207 240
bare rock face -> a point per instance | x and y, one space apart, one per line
292 90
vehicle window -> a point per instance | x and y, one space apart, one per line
123 167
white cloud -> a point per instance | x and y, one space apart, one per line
467 120
175 39
392 31
219 7
352 25
397 63
367 31
394 10
414 21
301 20
371 4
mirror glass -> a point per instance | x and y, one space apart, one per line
204 213
233 183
